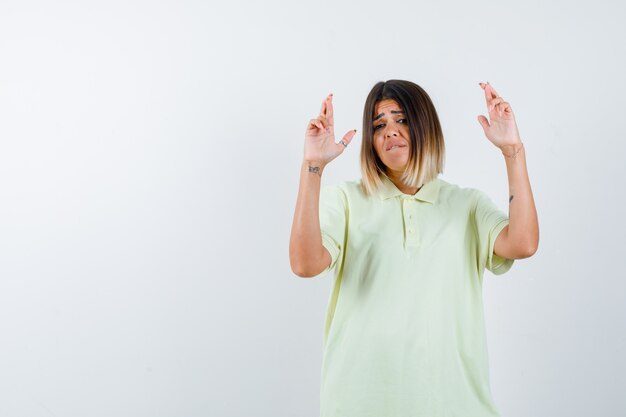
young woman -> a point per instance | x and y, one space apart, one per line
404 333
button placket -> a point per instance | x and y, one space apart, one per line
409 208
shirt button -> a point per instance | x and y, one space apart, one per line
410 230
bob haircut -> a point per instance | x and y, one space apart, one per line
427 150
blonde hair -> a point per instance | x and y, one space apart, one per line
427 150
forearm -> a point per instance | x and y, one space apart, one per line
523 222
306 252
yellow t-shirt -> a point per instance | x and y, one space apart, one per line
404 333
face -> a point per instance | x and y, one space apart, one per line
391 135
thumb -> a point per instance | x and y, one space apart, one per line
347 138
483 122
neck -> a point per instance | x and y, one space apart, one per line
395 178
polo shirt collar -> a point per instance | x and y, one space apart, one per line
429 191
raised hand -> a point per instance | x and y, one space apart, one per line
319 140
501 129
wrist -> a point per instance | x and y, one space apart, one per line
313 167
511 150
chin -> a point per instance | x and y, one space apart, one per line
396 167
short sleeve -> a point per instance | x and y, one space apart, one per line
333 214
489 221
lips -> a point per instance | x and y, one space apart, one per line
395 145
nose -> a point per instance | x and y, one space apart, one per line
389 132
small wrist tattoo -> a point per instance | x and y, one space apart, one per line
315 170
510 199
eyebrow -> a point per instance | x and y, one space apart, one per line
392 112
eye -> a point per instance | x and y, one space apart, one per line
403 121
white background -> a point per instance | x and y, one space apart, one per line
149 160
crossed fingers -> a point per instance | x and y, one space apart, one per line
320 122
494 100
325 120
327 109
